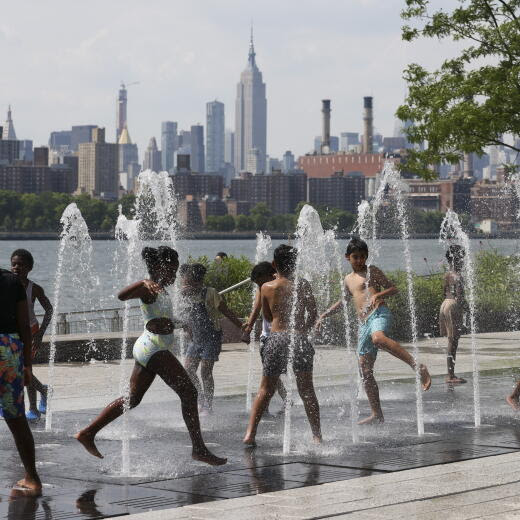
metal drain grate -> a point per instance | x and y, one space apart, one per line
151 502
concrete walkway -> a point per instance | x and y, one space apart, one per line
483 488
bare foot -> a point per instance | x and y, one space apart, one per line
249 441
206 456
513 402
377 419
454 380
426 380
88 443
29 484
317 439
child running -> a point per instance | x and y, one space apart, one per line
369 287
262 273
22 263
15 369
203 307
153 356
452 308
277 299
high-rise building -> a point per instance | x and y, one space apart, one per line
168 145
152 157
8 133
348 140
342 191
184 143
9 151
98 171
81 134
253 164
121 120
332 147
229 146
288 162
215 136
128 152
26 150
250 114
60 139
197 148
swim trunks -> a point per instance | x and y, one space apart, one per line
275 354
379 320
450 318
11 376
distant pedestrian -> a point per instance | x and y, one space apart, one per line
22 263
15 369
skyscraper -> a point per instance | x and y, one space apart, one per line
81 134
152 157
127 151
9 134
197 148
288 162
250 114
121 111
215 136
168 144
229 146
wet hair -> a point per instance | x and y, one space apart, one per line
194 272
222 254
262 269
356 245
285 259
155 258
25 256
455 254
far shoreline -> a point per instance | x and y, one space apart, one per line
233 235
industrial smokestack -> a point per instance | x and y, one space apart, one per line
368 132
325 134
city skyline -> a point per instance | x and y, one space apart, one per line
344 57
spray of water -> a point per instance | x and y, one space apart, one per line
75 261
452 232
263 246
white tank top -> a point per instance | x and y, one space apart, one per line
266 328
30 304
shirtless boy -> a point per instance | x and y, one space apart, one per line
368 287
452 308
277 301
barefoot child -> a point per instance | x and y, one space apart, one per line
452 308
153 356
203 307
277 305
369 287
262 273
15 368
22 263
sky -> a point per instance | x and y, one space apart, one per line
62 64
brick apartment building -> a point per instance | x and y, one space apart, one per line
198 185
342 191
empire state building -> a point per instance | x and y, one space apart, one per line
250 116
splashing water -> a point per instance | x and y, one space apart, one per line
263 246
75 261
452 232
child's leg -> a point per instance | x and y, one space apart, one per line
392 347
366 365
206 373
170 370
310 402
261 402
25 445
140 381
191 366
514 399
453 344
39 386
31 394
280 388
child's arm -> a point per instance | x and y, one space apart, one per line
40 295
380 280
333 309
147 290
257 307
229 314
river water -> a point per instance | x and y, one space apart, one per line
45 257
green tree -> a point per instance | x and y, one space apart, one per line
244 223
260 215
7 224
473 99
220 223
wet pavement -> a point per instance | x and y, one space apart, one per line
163 476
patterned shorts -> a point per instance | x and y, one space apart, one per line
11 376
276 351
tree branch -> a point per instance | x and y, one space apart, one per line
507 7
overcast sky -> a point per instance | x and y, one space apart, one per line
62 63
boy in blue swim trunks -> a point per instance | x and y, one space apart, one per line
368 286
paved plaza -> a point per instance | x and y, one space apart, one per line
453 471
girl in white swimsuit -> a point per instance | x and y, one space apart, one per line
153 355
